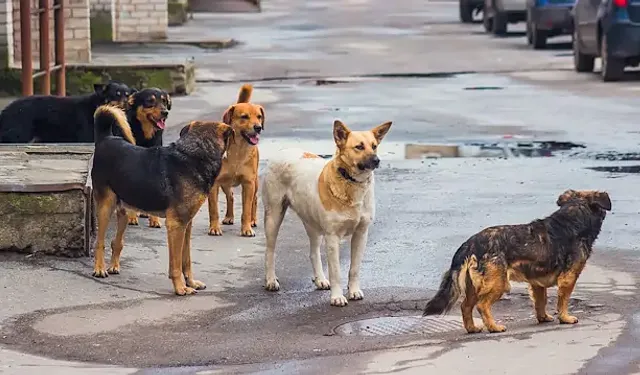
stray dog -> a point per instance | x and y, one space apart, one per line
147 111
543 253
172 182
240 166
333 199
55 119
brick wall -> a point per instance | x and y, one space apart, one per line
6 33
77 41
139 20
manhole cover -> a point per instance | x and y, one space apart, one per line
402 325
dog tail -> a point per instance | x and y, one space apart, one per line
106 118
245 93
454 283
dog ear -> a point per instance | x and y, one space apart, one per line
340 133
381 130
168 101
262 112
602 200
132 90
228 115
565 197
99 88
185 129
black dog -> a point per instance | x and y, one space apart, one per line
55 119
544 253
172 182
147 111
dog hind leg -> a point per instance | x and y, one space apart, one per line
274 212
228 216
118 241
566 283
315 240
186 261
105 201
254 207
133 217
468 303
493 286
538 295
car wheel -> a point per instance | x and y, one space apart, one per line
612 67
529 21
499 23
466 11
581 62
487 21
538 37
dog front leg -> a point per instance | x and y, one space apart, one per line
333 260
358 244
248 195
214 218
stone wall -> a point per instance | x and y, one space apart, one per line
77 39
140 20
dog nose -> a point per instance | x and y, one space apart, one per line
375 161
257 128
165 113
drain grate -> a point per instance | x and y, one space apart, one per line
401 325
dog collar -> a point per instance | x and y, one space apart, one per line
343 172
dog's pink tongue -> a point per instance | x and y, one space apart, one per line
160 124
255 139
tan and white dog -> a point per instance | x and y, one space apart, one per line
334 199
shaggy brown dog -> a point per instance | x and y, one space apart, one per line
240 166
543 253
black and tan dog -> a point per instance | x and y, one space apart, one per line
240 166
147 111
55 119
544 253
171 182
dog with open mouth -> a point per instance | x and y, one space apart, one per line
147 111
240 165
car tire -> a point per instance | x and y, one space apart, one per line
529 22
582 63
466 11
487 22
612 67
499 23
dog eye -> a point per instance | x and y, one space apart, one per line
360 147
118 93
259 117
244 117
374 146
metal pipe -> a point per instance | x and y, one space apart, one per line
61 73
45 47
25 47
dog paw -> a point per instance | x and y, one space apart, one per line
339 301
195 284
215 231
248 232
227 221
473 329
100 272
132 220
272 285
356 295
185 291
545 319
567 319
113 270
253 224
154 222
497 328
322 284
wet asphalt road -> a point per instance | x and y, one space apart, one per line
425 208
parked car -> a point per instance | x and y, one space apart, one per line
467 7
609 29
498 13
547 19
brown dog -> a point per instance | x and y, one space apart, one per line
240 166
171 182
543 253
